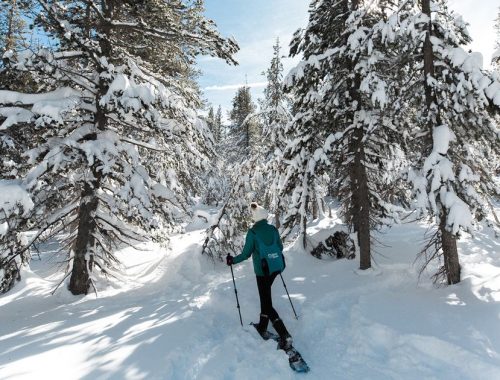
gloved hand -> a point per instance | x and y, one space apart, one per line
229 260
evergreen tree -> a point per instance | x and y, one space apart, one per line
219 127
214 122
445 101
213 177
117 132
17 203
13 29
339 137
242 132
275 115
225 235
211 119
254 176
12 25
274 107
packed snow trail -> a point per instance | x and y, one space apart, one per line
175 317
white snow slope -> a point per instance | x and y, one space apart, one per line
175 317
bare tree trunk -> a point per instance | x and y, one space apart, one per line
87 19
314 205
360 204
277 215
450 253
360 201
304 223
304 233
428 55
80 280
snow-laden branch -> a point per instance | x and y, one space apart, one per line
15 98
52 104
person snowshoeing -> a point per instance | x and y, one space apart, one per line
263 243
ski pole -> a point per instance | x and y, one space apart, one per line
296 317
236 293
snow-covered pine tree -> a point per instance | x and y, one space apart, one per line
274 107
305 133
215 181
108 107
446 102
225 235
252 177
275 115
213 184
13 40
238 183
15 206
243 134
12 28
219 126
214 120
211 119
12 25
340 137
15 203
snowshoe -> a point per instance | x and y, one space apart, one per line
266 335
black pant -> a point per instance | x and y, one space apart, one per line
264 284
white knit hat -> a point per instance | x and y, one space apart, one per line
258 212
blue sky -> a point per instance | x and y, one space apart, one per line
256 24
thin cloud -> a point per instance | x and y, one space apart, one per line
233 87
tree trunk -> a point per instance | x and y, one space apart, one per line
80 280
277 215
304 223
428 54
314 207
304 233
430 97
360 204
360 201
450 253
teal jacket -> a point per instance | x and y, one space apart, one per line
266 233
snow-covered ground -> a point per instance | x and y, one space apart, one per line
175 317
